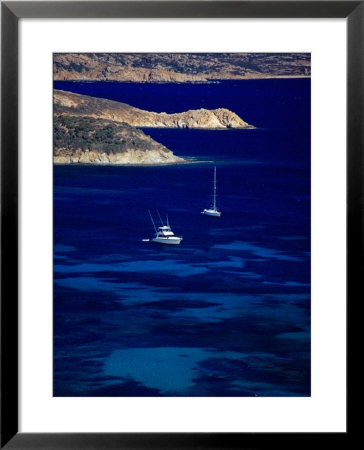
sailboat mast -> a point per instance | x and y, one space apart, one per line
215 188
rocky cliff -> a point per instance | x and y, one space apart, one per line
178 67
82 105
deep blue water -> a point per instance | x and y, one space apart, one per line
226 313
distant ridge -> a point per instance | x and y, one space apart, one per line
178 67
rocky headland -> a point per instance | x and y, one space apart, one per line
90 130
81 105
86 140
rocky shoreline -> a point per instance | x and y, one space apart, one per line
149 158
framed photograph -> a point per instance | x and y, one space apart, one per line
181 222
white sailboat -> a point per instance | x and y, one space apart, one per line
212 211
164 234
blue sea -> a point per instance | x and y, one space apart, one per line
226 313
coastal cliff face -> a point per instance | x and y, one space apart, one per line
96 141
178 67
82 105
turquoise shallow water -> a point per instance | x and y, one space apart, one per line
226 313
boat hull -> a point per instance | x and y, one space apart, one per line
167 241
211 212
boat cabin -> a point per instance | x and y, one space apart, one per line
165 231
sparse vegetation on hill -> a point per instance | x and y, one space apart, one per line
85 133
87 140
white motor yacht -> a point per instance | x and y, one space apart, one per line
164 234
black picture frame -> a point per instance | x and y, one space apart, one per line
11 12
